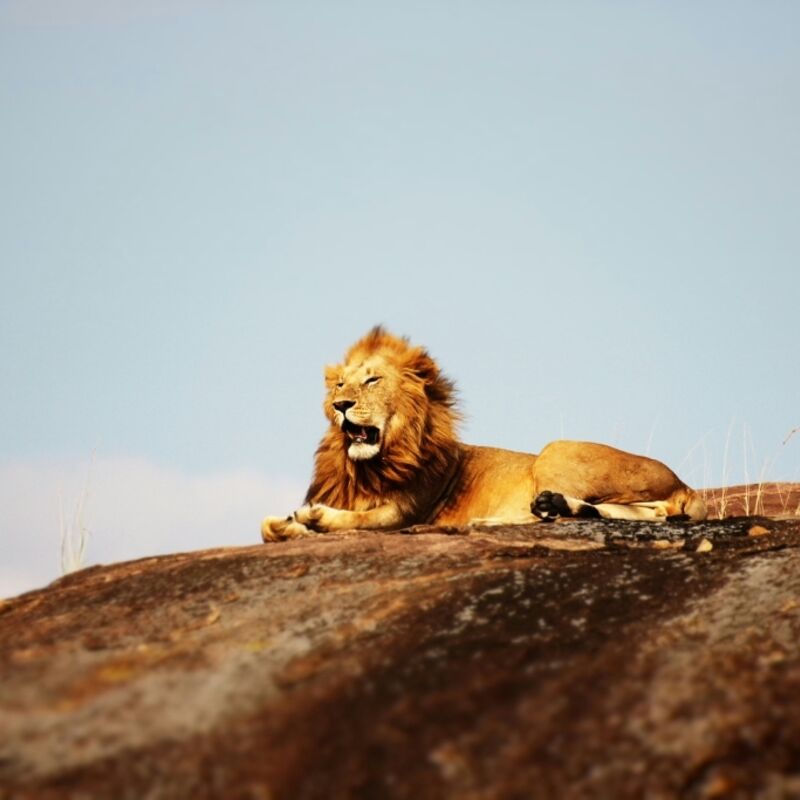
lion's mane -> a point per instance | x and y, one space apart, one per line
417 460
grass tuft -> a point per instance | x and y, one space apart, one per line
74 530
756 494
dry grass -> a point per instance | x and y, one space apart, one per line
74 530
757 497
771 499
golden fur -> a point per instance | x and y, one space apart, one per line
391 458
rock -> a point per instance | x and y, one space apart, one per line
579 659
778 500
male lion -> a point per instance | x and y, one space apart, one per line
390 458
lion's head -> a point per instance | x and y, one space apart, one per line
388 397
392 417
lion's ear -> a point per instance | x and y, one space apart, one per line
438 388
423 366
331 375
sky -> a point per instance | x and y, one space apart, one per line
587 212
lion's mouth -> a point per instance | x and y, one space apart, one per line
361 434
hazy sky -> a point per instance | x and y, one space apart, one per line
588 212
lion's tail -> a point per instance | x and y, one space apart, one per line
693 505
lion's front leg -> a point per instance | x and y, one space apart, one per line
322 518
278 529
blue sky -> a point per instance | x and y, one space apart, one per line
587 211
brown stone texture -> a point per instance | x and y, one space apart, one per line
576 659
780 500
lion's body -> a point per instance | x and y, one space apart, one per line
492 484
391 458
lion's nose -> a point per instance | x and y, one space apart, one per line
343 405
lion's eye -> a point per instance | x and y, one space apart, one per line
373 379
339 385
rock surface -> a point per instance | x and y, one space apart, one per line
576 659
780 500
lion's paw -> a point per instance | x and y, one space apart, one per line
278 529
316 516
549 505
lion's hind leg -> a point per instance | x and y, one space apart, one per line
585 479
550 505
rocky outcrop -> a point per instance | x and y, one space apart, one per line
576 659
778 500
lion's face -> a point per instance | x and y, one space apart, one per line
388 398
360 402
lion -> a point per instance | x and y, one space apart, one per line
391 458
